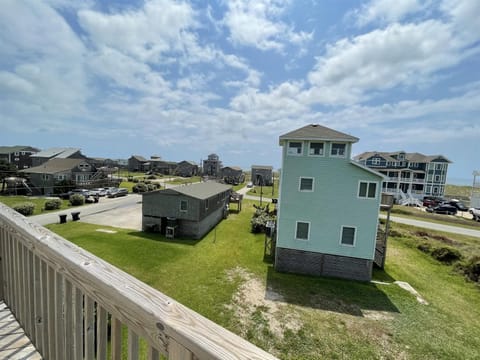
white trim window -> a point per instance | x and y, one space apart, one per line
295 148
367 190
183 205
348 235
338 149
316 149
306 184
302 230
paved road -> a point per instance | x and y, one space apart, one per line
434 226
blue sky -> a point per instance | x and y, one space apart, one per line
185 79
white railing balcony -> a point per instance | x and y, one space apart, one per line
73 305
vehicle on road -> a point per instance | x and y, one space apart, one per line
249 184
443 209
432 201
475 213
458 204
98 191
118 192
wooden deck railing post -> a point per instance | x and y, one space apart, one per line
2 239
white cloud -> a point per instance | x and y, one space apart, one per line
386 11
465 15
256 23
382 59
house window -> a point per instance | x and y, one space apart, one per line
338 150
17 159
316 149
367 190
183 205
17 153
302 231
348 236
306 184
376 161
295 148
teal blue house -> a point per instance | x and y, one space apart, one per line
328 206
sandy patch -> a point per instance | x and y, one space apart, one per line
106 231
253 299
406 286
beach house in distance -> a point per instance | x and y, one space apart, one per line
328 206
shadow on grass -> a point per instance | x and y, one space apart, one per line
161 238
336 295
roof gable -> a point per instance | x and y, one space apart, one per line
199 191
317 132
54 166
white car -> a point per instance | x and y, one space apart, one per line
475 213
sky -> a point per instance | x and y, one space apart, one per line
184 79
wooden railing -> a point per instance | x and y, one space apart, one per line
73 305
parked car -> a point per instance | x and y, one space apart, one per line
118 192
475 213
458 204
249 184
432 201
443 209
109 190
98 191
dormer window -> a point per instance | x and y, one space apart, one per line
338 150
295 148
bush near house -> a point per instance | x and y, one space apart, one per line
77 200
260 218
53 204
26 209
144 187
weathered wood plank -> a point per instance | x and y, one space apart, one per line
77 324
59 320
178 352
102 333
89 327
116 338
69 329
132 345
44 301
14 344
153 354
31 295
149 313
2 262
51 312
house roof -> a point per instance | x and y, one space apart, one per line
367 169
139 158
16 148
193 163
201 191
236 168
411 157
60 152
265 167
54 166
317 132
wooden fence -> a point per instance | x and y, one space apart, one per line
73 305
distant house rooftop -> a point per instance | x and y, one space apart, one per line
61 153
199 191
54 166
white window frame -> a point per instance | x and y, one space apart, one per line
337 155
308 233
300 184
376 161
291 153
354 235
368 188
186 207
310 148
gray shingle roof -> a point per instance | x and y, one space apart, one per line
317 132
266 167
411 157
54 166
199 191
60 152
16 148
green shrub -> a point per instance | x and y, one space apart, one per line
425 247
26 209
77 199
140 188
151 177
135 180
152 187
53 204
446 254
130 178
470 268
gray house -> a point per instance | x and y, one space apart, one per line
185 211
45 177
43 156
262 175
233 175
18 155
186 168
136 163
212 166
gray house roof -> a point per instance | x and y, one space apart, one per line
317 132
138 157
61 153
264 167
54 166
412 157
199 191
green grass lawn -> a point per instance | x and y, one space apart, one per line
266 191
39 202
223 277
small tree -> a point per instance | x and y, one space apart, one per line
26 209
77 199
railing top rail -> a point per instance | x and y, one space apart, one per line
151 314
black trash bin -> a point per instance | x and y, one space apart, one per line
76 215
63 218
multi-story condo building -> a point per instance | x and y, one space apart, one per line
414 174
